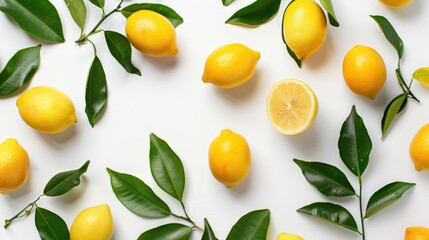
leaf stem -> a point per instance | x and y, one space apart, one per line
186 217
24 212
362 219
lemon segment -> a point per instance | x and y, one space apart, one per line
93 223
14 166
291 106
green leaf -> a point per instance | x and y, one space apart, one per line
422 75
172 231
392 109
98 3
63 182
291 53
38 18
96 92
390 34
77 10
120 48
208 231
386 196
331 213
167 12
50 226
227 2
166 167
19 70
354 144
252 226
255 14
328 179
327 5
136 196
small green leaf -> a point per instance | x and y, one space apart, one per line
422 75
208 231
38 18
386 196
120 48
328 179
331 213
227 2
166 167
77 10
96 92
167 12
390 34
172 231
354 144
291 53
19 70
98 3
50 226
392 109
63 182
255 14
136 196
252 226
327 5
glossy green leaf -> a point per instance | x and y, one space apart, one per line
63 182
354 144
390 34
422 75
252 226
50 226
331 213
291 53
167 12
77 10
327 5
392 109
328 179
136 196
120 48
19 70
96 92
208 231
255 14
386 196
98 3
166 167
227 2
38 18
172 231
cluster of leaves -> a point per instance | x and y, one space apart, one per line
168 172
398 104
49 224
355 147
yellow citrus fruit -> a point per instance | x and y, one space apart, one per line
46 109
419 149
14 166
288 236
93 223
151 33
364 71
229 158
416 233
291 106
304 27
230 65
396 3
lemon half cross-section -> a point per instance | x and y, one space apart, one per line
291 106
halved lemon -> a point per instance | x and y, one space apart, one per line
291 106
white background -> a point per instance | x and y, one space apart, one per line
170 100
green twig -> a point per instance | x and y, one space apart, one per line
186 217
362 219
24 212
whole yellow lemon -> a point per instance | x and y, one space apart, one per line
93 223
416 233
229 158
304 27
151 33
230 65
419 149
46 109
364 71
14 166
288 236
396 3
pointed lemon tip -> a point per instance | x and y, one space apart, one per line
257 55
